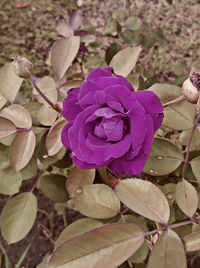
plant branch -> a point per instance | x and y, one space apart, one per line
173 226
54 106
36 180
181 98
58 86
49 237
195 124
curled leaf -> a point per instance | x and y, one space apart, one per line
22 149
18 115
63 53
6 127
53 139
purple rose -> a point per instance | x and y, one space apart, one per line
109 124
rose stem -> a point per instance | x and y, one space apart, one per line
174 101
195 124
172 226
44 96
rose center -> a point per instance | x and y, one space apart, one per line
111 129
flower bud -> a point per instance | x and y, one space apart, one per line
22 67
191 88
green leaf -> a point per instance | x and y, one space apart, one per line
139 220
53 139
6 127
10 181
18 115
4 161
168 252
177 116
129 57
42 154
2 101
33 108
44 263
97 201
63 53
69 85
141 255
18 217
165 157
22 149
30 171
110 27
77 178
133 23
106 246
137 195
119 15
166 92
169 191
48 86
186 197
10 83
76 228
46 115
192 242
185 137
53 186
195 165
111 51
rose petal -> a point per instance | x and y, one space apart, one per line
70 106
149 101
116 80
135 166
103 151
105 112
64 135
129 167
124 96
98 72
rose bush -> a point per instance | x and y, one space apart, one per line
110 124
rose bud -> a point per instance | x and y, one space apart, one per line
191 88
22 67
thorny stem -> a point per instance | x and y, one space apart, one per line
55 107
58 86
174 101
195 124
128 3
173 226
49 237
36 180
